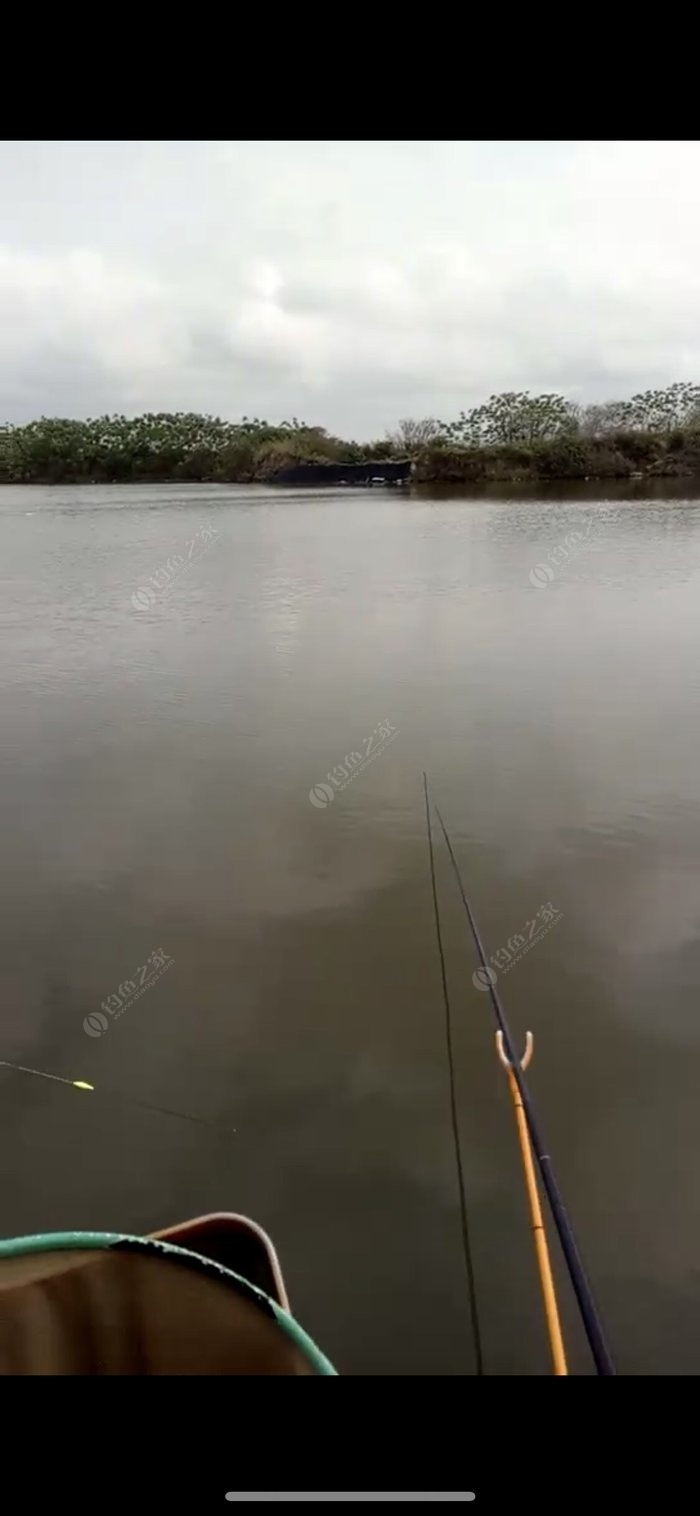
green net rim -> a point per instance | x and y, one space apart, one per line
48 1242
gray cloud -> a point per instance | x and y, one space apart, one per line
346 283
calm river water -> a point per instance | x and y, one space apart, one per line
157 752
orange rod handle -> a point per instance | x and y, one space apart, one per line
549 1297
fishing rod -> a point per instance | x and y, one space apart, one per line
549 1297
82 1084
466 1239
582 1289
539 1236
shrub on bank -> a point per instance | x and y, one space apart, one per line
563 458
682 458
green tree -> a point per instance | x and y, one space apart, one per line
515 416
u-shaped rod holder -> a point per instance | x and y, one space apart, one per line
529 1046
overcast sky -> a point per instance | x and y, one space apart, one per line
347 283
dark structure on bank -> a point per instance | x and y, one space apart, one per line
391 472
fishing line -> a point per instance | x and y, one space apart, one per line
466 1242
582 1289
82 1084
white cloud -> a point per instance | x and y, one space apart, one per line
349 283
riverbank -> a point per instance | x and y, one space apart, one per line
516 444
448 467
636 455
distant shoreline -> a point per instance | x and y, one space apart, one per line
447 479
512 439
